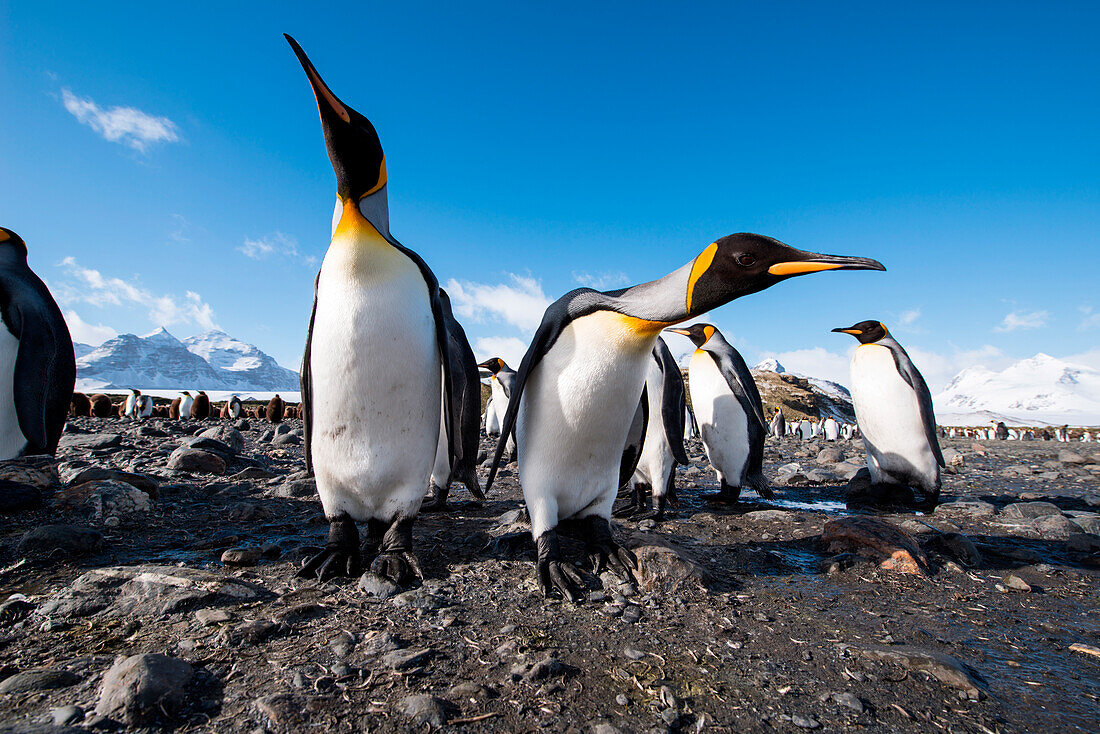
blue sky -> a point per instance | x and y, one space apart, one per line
166 165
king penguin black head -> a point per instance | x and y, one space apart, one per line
867 332
353 145
741 264
698 333
9 239
494 365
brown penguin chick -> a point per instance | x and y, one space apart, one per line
174 408
120 408
160 411
80 406
101 406
200 409
276 409
223 412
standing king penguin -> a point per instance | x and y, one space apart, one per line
731 415
376 367
579 384
502 380
894 412
663 444
37 364
466 398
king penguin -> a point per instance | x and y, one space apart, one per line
894 412
731 415
186 403
778 426
578 386
130 407
461 463
502 380
376 369
37 364
663 443
233 408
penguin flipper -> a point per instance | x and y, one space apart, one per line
732 366
632 451
672 401
306 382
559 314
913 378
43 378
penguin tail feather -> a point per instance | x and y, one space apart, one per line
758 483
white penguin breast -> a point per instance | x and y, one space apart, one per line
12 440
723 425
888 411
375 382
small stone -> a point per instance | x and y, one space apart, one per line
280 709
631 654
287 439
67 715
1029 510
1015 583
252 472
967 508
375 586
242 556
805 722
424 709
548 667
848 701
39 679
670 717
212 617
89 441
406 659
382 643
141 688
231 438
1071 457
188 459
297 488
621 699
342 645
632 613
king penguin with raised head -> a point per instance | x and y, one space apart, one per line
502 380
580 382
37 364
376 373
731 416
894 412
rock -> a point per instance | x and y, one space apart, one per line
966 508
252 472
1083 543
944 668
805 722
267 435
150 432
547 667
848 701
664 569
342 645
819 476
37 471
286 439
229 437
1089 522
281 709
297 488
424 709
406 659
67 715
1071 457
148 591
109 497
213 617
242 556
1028 510
957 546
1012 582
632 613
248 512
242 425
1055 527
829 456
68 540
141 688
1017 470
39 679
771 516
16 496
89 441
195 460
377 587
382 643
951 457
891 547
283 429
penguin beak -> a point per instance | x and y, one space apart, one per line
682 332
853 332
328 104
815 263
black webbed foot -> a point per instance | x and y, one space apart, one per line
605 554
636 505
554 575
437 502
726 494
395 558
657 514
341 555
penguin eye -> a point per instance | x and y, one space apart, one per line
745 260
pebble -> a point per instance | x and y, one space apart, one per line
632 613
141 688
377 587
805 722
188 459
212 617
242 556
405 659
424 709
1014 583
67 715
40 679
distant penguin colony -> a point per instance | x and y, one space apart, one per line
894 410
37 363
731 416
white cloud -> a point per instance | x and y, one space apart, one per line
84 333
1023 320
1089 320
124 125
813 362
92 287
601 281
276 243
520 303
508 348
909 317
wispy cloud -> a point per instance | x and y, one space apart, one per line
125 125
1023 320
277 244
90 286
908 318
508 348
601 281
1089 320
520 302
84 333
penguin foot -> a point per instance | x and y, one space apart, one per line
554 575
657 514
395 558
437 502
341 555
636 505
726 494
607 555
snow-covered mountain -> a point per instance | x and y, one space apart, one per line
81 349
801 394
771 364
1042 389
210 361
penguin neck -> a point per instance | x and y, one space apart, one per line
366 219
662 301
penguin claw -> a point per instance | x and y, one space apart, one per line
614 558
559 577
330 563
435 505
398 566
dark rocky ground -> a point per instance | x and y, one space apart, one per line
744 618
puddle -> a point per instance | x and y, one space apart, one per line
831 507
